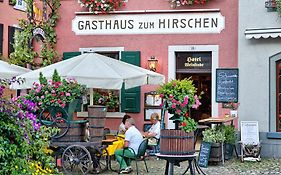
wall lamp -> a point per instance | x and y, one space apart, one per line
152 63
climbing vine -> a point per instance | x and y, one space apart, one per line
278 6
23 51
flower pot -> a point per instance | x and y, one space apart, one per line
228 151
176 142
216 152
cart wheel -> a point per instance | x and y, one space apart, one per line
62 126
76 159
46 118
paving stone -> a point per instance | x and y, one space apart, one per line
231 167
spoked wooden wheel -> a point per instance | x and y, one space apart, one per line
55 117
76 159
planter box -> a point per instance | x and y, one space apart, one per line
228 151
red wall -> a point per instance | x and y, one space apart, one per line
149 45
9 17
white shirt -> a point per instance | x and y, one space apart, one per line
134 137
155 129
122 128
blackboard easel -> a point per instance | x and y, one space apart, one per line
227 85
204 154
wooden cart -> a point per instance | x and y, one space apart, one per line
77 143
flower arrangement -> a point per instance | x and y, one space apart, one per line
177 3
23 139
55 92
179 96
106 98
231 105
103 6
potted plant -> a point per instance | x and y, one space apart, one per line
102 6
179 96
178 3
230 139
108 99
216 137
65 93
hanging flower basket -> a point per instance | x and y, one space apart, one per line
102 6
178 3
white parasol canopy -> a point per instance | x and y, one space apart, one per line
10 70
95 71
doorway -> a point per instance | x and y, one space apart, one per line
203 83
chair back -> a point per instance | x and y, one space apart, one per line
142 148
250 132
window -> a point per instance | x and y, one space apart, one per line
11 34
129 99
278 96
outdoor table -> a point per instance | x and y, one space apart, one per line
219 121
112 146
173 159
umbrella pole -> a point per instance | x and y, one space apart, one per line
91 96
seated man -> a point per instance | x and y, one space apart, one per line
133 139
154 131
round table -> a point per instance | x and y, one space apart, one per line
171 160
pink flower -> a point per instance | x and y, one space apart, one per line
67 94
171 96
161 95
173 106
185 100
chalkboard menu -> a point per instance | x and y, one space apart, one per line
204 154
227 85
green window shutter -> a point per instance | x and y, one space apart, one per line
67 55
130 98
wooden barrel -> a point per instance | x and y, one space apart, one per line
176 142
75 132
216 152
96 118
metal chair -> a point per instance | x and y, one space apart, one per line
139 156
153 148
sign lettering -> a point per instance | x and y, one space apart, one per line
227 85
150 23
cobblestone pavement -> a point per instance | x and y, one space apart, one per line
231 167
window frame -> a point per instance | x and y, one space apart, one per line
105 50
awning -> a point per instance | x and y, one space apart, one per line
258 33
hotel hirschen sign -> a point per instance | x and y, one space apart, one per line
149 23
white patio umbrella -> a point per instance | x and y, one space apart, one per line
10 70
95 71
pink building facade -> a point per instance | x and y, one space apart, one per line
207 34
